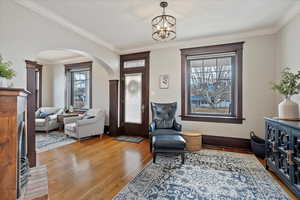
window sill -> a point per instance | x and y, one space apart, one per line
217 119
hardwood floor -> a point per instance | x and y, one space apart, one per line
99 169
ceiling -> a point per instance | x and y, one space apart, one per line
125 24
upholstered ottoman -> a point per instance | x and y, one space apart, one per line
168 144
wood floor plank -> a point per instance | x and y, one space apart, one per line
97 169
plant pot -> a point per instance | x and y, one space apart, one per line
3 82
288 109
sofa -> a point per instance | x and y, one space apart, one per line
46 118
90 124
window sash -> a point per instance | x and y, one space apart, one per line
188 83
86 82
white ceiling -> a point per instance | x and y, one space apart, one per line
125 24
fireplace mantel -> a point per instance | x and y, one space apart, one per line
12 114
13 92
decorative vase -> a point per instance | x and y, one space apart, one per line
3 82
288 109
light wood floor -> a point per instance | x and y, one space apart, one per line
98 169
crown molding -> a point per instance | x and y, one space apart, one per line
64 22
291 14
193 41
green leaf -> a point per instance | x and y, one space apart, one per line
5 69
289 84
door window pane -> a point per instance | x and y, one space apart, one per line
134 63
211 85
133 98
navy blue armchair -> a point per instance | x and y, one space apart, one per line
164 122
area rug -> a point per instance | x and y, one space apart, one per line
130 139
54 139
207 175
37 186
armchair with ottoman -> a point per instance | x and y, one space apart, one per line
164 132
46 118
90 124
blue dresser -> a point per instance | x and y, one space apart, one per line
283 151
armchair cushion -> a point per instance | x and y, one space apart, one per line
40 122
69 120
86 121
164 115
52 117
88 117
168 142
165 132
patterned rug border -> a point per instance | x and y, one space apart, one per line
252 156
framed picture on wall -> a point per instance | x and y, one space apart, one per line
164 81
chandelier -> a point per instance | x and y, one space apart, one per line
163 26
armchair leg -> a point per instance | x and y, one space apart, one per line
101 135
154 157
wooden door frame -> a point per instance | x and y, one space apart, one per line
145 71
39 69
31 108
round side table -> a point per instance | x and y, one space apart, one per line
193 140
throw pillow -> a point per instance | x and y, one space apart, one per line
88 117
43 115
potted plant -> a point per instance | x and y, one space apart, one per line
288 86
6 72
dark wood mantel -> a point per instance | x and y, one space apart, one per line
12 113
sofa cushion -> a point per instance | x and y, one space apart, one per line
71 127
40 122
171 142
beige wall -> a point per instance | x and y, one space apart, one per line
288 49
258 72
24 34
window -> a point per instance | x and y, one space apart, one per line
79 85
134 63
212 83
